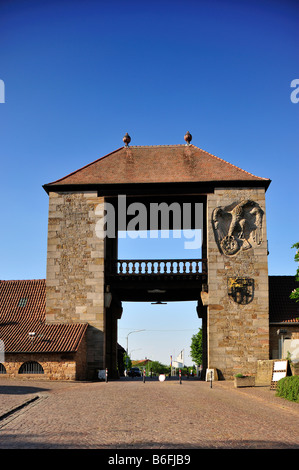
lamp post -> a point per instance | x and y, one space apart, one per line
134 331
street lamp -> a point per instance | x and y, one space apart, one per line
134 331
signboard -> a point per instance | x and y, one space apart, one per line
280 369
102 374
211 374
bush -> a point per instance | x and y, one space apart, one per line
288 388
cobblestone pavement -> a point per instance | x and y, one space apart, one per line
130 414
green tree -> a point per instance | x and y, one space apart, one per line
196 347
295 293
158 368
127 362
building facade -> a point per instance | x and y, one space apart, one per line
232 291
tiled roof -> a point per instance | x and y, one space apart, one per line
282 309
158 164
22 311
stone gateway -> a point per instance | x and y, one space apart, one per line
86 283
64 327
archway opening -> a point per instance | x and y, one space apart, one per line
31 367
160 329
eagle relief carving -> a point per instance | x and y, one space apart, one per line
237 226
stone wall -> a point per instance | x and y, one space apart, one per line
75 268
238 333
56 366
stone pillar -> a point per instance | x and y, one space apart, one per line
113 314
237 319
202 313
75 268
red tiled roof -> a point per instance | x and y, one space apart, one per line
282 309
141 361
157 164
23 310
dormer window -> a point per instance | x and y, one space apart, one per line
22 302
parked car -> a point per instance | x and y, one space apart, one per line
134 372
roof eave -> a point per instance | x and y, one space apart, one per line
42 351
56 187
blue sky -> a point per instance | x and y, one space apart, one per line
78 75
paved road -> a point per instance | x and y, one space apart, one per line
130 414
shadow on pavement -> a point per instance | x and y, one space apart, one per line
19 390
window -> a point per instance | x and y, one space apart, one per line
22 302
2 369
31 367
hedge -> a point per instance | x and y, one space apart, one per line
288 388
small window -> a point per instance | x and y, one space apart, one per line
22 302
2 369
31 367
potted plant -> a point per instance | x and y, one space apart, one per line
241 380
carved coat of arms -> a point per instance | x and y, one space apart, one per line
241 289
237 226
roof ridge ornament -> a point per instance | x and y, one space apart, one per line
127 140
188 138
